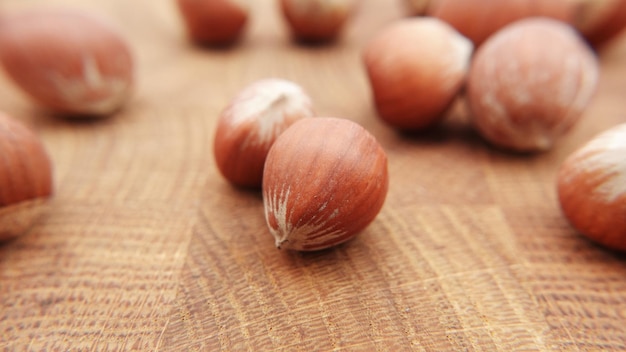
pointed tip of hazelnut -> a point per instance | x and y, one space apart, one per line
280 242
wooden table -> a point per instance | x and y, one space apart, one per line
146 247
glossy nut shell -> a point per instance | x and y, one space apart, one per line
325 180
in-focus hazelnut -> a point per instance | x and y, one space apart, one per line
325 180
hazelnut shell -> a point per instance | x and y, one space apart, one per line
25 177
591 185
214 22
316 20
325 180
68 61
250 124
530 83
416 68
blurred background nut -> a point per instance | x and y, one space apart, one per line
530 83
316 20
25 178
591 186
416 67
214 22
69 61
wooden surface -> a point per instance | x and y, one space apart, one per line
147 248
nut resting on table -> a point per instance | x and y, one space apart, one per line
530 83
25 178
316 21
325 180
416 68
250 124
214 22
68 61
591 186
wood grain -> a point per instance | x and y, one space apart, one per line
145 247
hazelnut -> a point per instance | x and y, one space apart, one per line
591 186
529 84
599 21
249 125
214 22
325 180
416 68
316 20
479 19
25 178
67 60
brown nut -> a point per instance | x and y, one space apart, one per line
25 178
214 22
530 83
591 186
67 60
316 20
325 180
250 124
416 67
